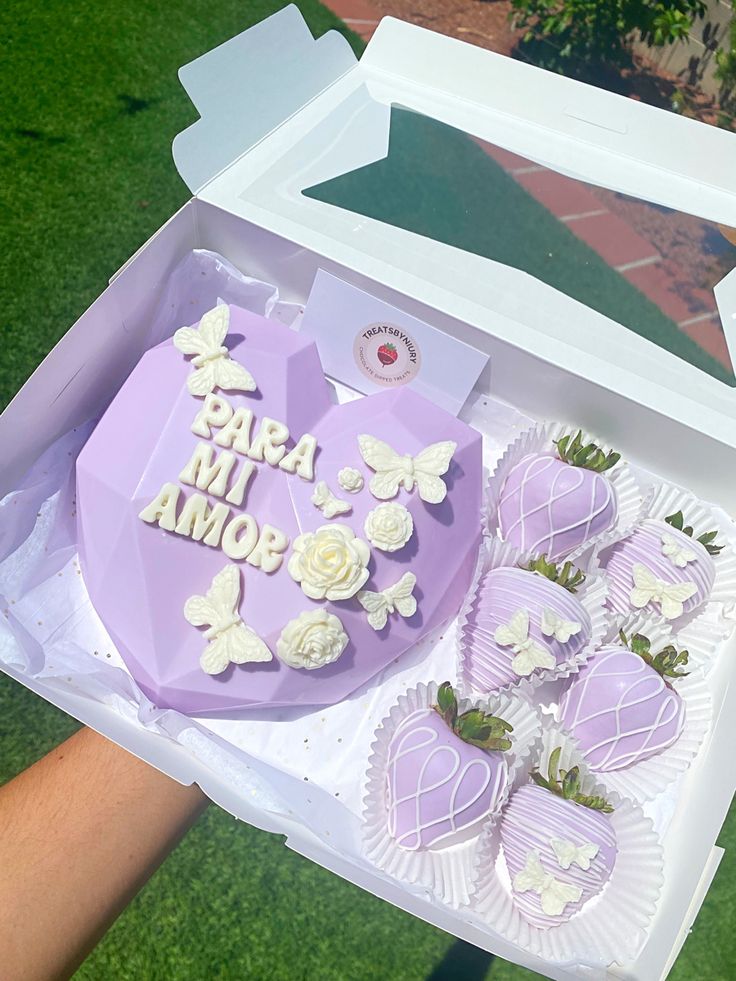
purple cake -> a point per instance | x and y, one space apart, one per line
558 845
662 568
446 774
205 463
523 623
552 504
621 708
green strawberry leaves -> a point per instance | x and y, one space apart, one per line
565 575
476 727
708 539
588 456
567 785
665 662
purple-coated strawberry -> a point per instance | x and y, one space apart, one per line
661 567
621 707
558 844
554 504
446 773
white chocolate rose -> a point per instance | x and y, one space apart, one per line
389 526
330 563
350 480
313 639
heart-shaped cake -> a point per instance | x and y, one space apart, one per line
552 504
523 622
446 774
558 845
661 568
622 708
218 546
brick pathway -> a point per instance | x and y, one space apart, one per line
664 282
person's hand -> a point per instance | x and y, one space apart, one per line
80 833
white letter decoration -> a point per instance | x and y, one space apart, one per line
213 366
229 639
425 470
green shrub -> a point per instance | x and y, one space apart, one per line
599 31
726 69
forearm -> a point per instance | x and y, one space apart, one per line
80 833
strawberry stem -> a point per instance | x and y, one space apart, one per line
476 727
588 456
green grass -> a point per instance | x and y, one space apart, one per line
90 106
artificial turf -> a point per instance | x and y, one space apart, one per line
90 106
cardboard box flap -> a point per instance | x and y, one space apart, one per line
349 125
250 84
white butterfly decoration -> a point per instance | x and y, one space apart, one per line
328 504
648 588
675 552
398 597
554 895
529 654
393 471
568 853
214 368
555 626
230 640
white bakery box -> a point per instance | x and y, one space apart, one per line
280 113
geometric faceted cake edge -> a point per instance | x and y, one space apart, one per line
412 561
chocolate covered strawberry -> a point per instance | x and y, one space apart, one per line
524 622
558 844
661 567
555 503
622 708
387 354
446 773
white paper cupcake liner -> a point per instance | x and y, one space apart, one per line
444 872
610 927
495 554
630 496
643 781
669 499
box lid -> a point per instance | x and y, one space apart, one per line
281 114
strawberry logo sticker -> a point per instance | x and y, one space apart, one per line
387 354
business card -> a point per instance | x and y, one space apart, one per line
371 345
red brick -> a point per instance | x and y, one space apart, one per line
354 10
667 286
508 160
709 335
613 239
561 195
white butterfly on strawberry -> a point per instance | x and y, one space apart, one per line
558 845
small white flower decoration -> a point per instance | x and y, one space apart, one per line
230 640
214 368
389 527
312 640
330 563
351 480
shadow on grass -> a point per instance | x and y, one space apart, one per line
462 962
